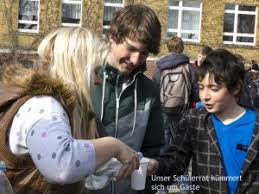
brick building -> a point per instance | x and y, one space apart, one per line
231 24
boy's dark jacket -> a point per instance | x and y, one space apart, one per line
139 119
23 84
196 140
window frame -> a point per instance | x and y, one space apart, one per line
28 22
179 30
71 2
108 4
234 34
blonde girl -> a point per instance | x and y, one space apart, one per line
54 127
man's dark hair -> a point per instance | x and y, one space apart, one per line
139 23
255 67
226 68
205 50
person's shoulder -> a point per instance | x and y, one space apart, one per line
196 113
147 84
42 104
165 57
146 80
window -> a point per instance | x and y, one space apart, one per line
28 16
71 12
184 19
110 7
239 24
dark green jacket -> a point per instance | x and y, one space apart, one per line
132 115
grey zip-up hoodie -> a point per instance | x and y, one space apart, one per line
131 114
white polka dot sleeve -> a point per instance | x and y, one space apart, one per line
60 158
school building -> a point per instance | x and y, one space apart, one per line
230 24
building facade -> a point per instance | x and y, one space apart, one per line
230 24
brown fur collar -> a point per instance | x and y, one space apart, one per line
18 81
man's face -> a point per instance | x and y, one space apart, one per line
128 55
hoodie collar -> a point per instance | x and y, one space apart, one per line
172 60
112 73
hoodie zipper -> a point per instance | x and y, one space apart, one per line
118 101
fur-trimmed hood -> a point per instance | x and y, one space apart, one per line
17 81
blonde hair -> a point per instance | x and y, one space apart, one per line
72 54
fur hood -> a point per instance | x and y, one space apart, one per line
17 81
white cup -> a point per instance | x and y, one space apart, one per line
138 177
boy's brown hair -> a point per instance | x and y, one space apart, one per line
175 44
139 23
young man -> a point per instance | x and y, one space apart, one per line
222 138
174 66
126 100
175 95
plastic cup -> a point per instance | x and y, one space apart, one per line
138 177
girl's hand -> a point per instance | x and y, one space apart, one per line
129 159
